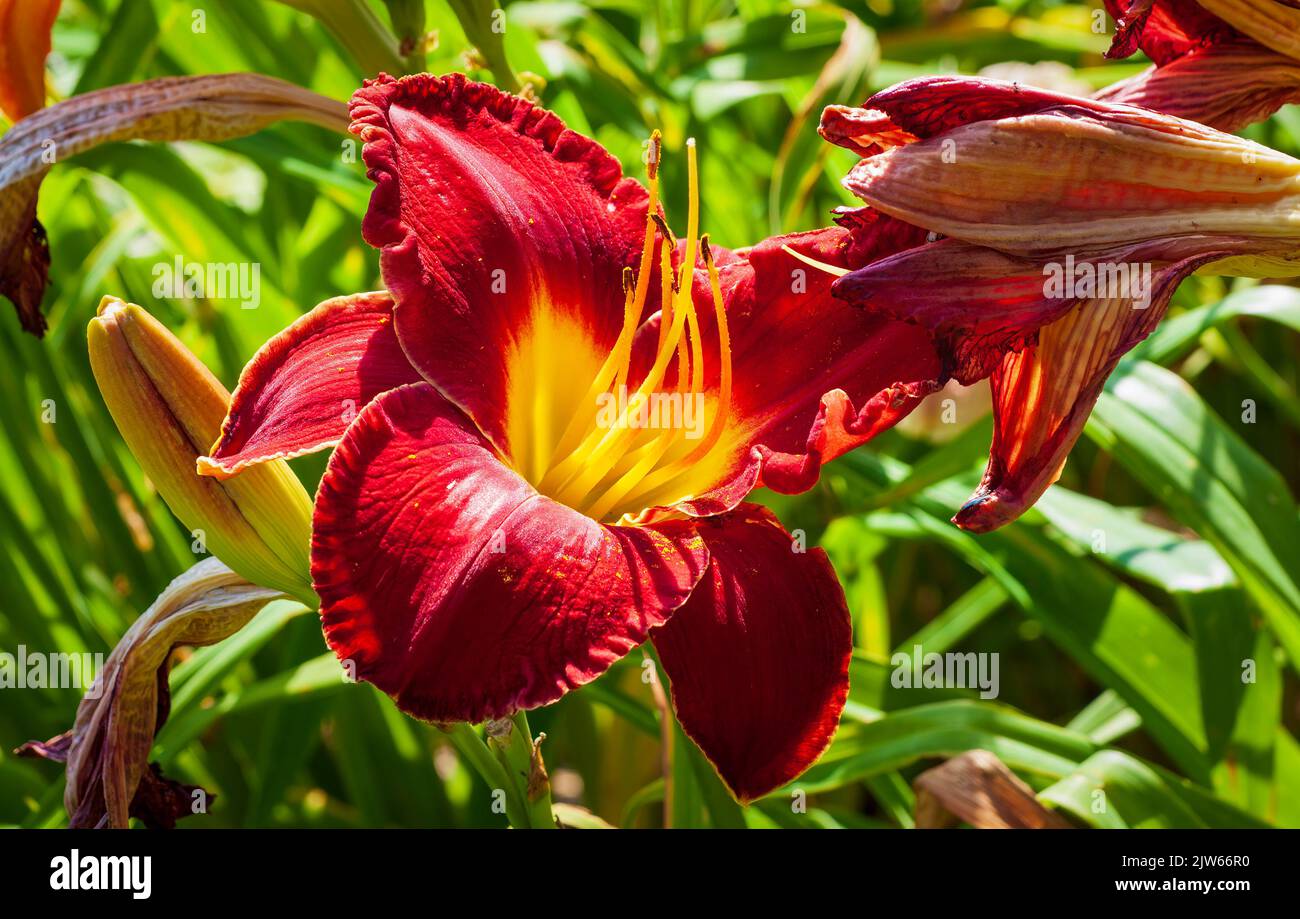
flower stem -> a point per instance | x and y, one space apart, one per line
359 30
521 758
483 26
408 19
474 751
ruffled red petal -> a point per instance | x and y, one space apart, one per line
1164 29
814 376
759 656
819 376
303 387
497 225
452 585
929 106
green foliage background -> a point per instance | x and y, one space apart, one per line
1122 697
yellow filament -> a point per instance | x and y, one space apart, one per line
615 366
598 470
660 444
614 442
647 485
820 266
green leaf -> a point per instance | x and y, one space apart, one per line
124 50
852 549
1175 335
1241 695
945 729
1106 627
1106 718
1114 789
1118 538
967 613
1209 478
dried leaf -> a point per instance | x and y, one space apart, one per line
977 788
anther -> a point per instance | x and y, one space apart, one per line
652 156
664 228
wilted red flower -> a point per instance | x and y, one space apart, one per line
110 778
1071 222
1226 70
498 523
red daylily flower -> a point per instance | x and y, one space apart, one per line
1226 70
499 521
1071 223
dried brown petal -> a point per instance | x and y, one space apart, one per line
107 751
978 789
213 107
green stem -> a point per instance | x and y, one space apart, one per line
521 758
408 19
474 751
359 30
481 27
694 796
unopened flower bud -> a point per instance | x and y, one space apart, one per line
169 408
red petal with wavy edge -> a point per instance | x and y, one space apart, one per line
819 376
1224 85
1164 29
303 387
450 584
759 656
929 106
497 225
865 131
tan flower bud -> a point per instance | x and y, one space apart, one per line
169 407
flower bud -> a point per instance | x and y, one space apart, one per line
169 408
1273 23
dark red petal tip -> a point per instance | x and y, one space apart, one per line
758 657
303 387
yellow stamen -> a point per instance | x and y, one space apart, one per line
615 368
616 365
820 266
614 442
648 485
602 468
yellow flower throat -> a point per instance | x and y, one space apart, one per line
612 450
